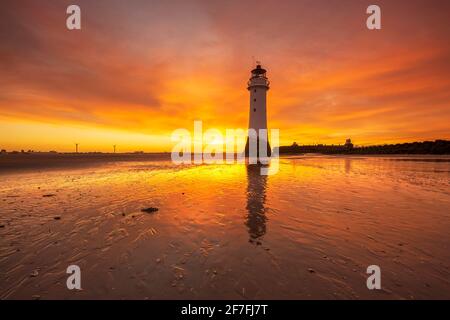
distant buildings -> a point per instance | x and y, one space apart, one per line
348 144
426 147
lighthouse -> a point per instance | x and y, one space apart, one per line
258 86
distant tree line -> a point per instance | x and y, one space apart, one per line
426 147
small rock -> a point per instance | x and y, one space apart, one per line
158 260
34 274
57 218
49 195
2 225
36 297
311 270
150 210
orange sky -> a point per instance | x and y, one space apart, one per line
140 69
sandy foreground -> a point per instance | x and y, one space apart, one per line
224 231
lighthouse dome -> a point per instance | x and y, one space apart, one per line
258 71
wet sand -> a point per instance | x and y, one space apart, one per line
15 162
225 231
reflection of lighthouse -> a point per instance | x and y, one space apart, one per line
258 86
256 197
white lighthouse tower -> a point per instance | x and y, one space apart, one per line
258 86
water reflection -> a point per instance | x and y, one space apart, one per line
348 165
256 197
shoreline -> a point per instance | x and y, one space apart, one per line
12 163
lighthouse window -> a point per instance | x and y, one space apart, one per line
254 100
255 90
254 110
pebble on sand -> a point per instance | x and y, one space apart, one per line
57 218
150 210
49 195
35 273
311 270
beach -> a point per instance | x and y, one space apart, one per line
224 231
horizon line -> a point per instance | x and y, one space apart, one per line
163 152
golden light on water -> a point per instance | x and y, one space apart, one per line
219 224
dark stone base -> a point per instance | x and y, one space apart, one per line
247 148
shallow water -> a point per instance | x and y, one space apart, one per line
225 231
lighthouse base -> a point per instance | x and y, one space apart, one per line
259 153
